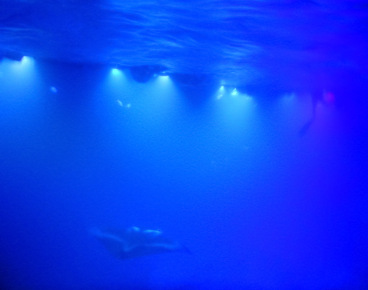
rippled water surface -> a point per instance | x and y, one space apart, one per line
235 40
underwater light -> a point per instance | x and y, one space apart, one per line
163 81
115 71
220 93
234 92
25 64
53 90
121 104
26 60
163 73
164 78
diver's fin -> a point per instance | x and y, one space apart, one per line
113 243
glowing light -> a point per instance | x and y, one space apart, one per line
219 96
53 90
21 75
164 78
236 111
25 63
26 60
116 75
116 72
220 93
234 92
121 104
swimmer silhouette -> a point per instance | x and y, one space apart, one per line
134 242
326 98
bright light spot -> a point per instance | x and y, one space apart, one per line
164 78
53 90
220 93
25 63
115 83
234 92
116 72
22 77
26 60
219 96
121 104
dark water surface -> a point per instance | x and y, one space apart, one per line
236 127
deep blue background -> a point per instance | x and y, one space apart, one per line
260 205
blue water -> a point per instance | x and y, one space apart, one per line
235 127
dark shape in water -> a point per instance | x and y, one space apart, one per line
12 55
305 128
197 88
134 242
144 73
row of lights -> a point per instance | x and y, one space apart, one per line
139 74
223 91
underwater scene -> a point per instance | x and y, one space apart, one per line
198 144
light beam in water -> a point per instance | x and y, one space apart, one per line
116 72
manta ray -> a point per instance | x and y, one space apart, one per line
134 242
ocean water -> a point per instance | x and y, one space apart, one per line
237 128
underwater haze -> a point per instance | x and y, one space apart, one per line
238 129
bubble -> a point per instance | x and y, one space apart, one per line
53 90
